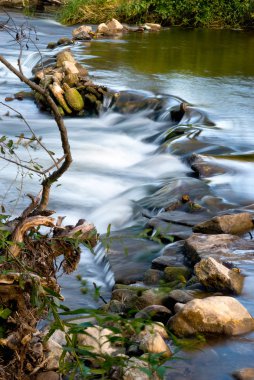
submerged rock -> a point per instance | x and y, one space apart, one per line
213 315
227 224
214 275
206 166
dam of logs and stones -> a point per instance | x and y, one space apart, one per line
191 285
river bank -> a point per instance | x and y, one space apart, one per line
154 129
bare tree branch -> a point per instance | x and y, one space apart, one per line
47 182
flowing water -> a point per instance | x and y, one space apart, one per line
118 158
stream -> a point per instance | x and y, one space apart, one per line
119 158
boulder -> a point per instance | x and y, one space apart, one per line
244 374
97 338
226 224
223 247
155 344
132 370
102 28
114 26
82 32
155 313
214 275
213 315
155 327
55 351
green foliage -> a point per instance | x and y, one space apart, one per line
194 13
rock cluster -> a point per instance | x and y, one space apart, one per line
69 84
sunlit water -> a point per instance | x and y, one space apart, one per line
115 162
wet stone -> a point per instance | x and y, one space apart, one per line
227 224
165 230
152 277
223 247
206 166
163 262
214 275
171 193
189 219
157 313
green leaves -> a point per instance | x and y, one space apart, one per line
4 313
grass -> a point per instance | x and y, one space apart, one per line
187 13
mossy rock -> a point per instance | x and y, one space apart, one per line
180 274
73 98
51 45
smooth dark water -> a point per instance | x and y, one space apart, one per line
115 163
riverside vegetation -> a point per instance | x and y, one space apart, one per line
185 13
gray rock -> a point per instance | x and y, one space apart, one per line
180 296
167 230
155 313
176 296
165 261
214 275
228 224
189 219
213 315
223 247
206 166
152 277
244 374
172 249
129 256
171 193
